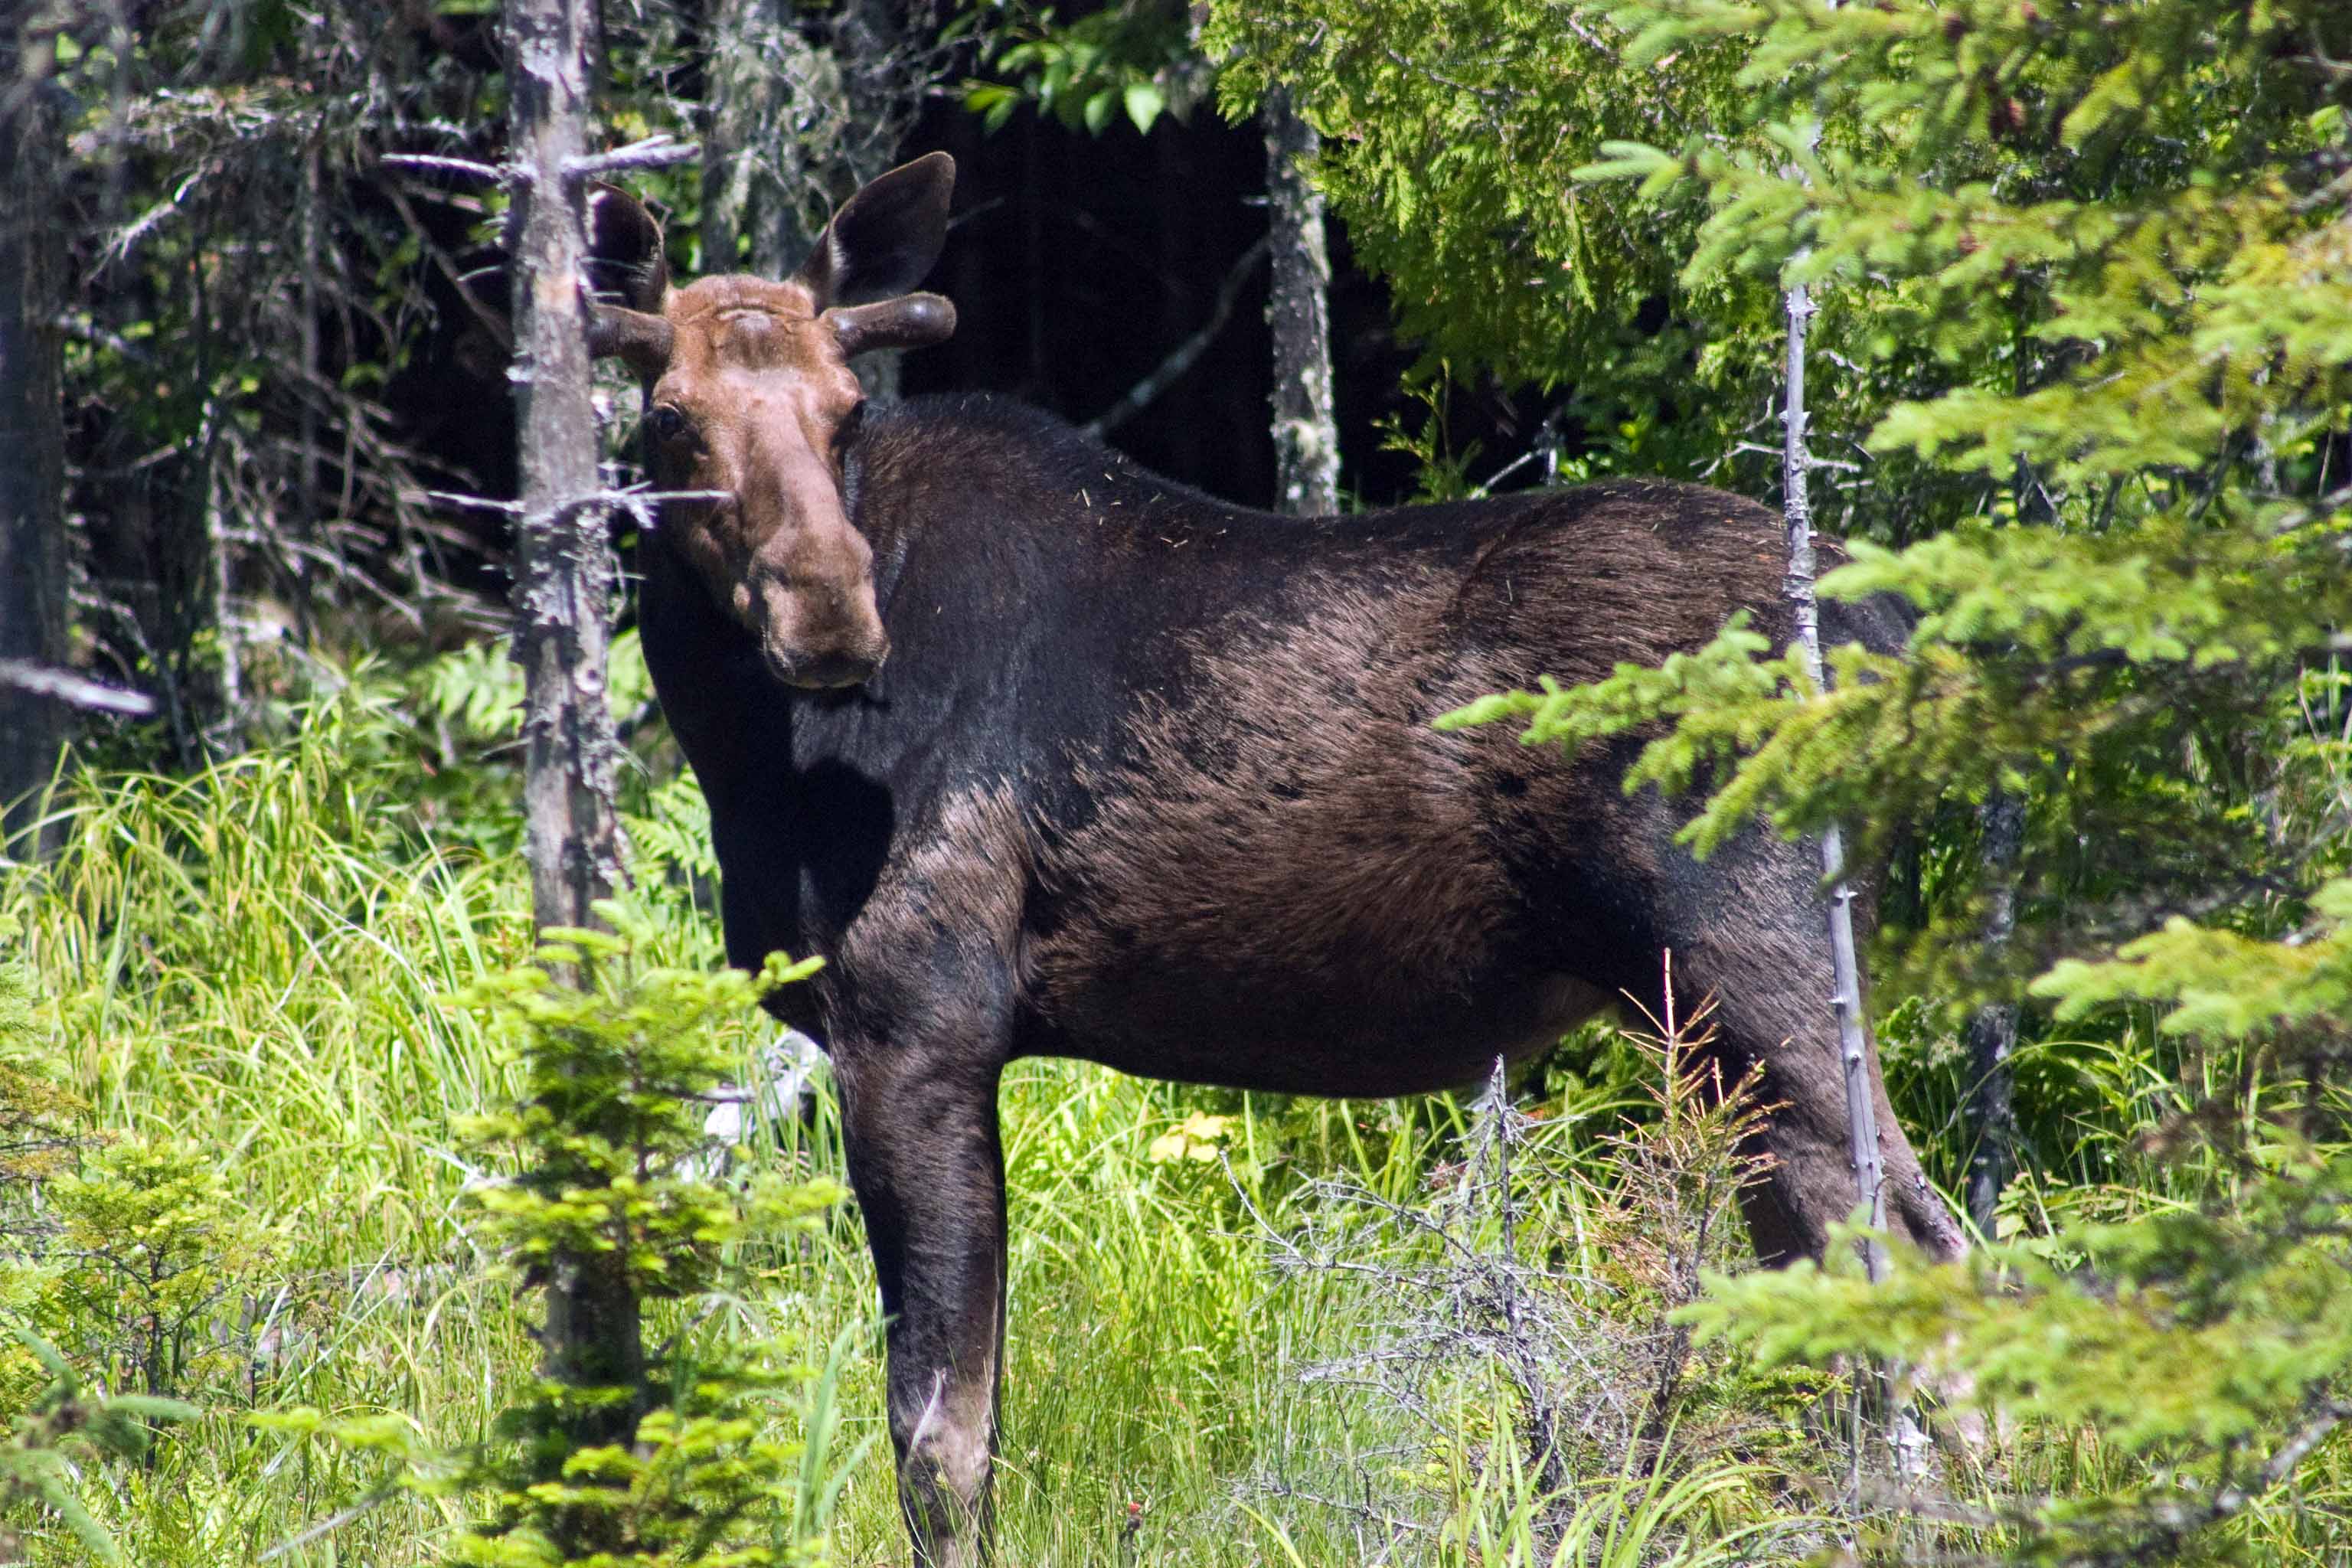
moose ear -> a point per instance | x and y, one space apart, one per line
628 273
626 261
884 238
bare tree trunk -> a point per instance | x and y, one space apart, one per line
1993 1030
1905 1439
212 652
1298 311
1853 1039
563 592
32 590
1991 1033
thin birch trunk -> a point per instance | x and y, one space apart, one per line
563 592
1299 311
1906 1440
306 498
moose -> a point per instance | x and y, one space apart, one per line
1047 754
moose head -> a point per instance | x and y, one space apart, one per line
750 396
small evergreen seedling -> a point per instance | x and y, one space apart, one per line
620 1453
151 1244
53 1417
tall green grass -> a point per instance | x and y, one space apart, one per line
257 958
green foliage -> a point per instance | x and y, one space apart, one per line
102 1242
152 1239
1133 60
2086 274
1450 136
2125 681
2143 297
2207 1348
615 1076
2221 984
40 1117
211 384
1603 202
1450 131
263 952
2121 235
614 1073
478 687
37 1461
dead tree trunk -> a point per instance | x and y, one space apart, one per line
1991 1034
1854 1040
562 601
1298 311
33 591
565 582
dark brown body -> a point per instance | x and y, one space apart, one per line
1151 782
1047 755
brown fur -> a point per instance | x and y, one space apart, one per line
749 406
962 887
1292 824
1152 780
1299 820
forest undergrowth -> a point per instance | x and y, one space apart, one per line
1242 1330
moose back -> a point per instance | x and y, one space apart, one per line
1048 755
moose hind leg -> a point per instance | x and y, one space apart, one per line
1750 927
928 1166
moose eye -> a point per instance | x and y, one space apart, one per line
669 425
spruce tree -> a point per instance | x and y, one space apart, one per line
2084 280
2126 235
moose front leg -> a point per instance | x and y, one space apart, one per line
928 1170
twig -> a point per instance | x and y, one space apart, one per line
75 323
1486 488
2171 1518
492 322
653 153
468 503
638 502
366 1505
435 164
79 690
1180 359
1338 1505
